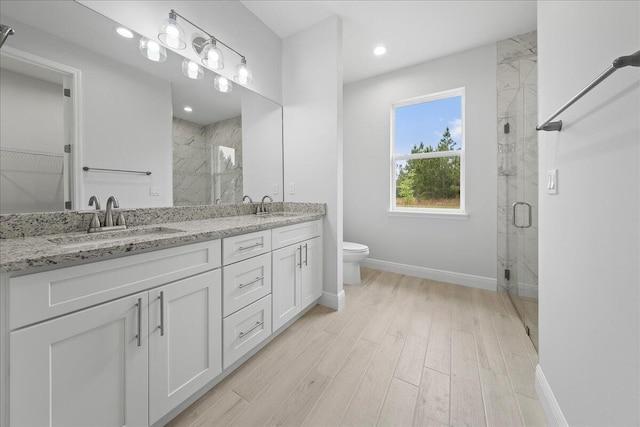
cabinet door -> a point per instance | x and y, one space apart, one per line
185 340
85 369
311 271
286 286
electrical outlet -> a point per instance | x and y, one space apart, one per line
154 191
292 188
275 188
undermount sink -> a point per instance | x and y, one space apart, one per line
121 236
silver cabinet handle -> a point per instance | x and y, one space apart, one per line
529 222
257 279
300 263
244 248
305 254
139 335
257 325
161 327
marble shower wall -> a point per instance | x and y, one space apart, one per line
207 162
517 162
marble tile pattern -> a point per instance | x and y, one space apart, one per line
203 171
36 247
516 87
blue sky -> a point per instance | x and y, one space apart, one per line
426 122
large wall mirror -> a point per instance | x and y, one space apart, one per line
123 113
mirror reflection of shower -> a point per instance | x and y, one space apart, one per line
5 32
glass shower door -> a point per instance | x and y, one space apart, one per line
523 198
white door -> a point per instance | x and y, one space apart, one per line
286 286
311 271
185 340
85 369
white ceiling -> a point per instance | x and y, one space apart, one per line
413 31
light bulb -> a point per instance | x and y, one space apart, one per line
192 69
243 73
212 56
172 38
222 84
171 33
152 50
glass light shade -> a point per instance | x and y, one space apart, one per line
222 84
152 50
212 56
243 74
192 69
171 34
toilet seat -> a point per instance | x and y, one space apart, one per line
354 247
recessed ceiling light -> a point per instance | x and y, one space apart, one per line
188 109
379 50
124 32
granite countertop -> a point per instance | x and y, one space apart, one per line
22 253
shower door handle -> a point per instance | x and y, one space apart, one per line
529 214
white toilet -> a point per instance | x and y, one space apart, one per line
352 254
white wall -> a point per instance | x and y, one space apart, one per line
462 251
261 160
33 108
590 232
229 21
122 121
312 100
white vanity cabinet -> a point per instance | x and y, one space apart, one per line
297 269
127 361
246 294
184 340
86 368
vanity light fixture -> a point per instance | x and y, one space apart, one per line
192 69
380 50
171 33
152 50
222 84
124 32
188 109
243 73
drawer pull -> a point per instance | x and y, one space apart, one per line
243 285
161 327
257 325
244 248
139 335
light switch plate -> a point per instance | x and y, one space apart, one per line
552 181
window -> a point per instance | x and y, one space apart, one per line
427 154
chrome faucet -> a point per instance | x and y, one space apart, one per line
112 202
262 209
247 197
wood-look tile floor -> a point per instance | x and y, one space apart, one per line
404 351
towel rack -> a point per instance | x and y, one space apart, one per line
620 62
87 169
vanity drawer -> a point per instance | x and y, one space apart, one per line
285 236
244 246
245 282
245 329
40 296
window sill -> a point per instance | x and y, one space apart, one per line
456 216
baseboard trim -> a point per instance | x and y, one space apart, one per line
552 410
469 280
332 301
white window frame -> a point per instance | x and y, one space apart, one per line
428 212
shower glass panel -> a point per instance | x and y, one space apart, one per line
518 177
